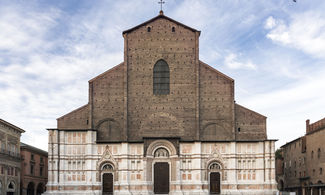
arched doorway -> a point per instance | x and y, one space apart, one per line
40 189
11 188
214 178
161 171
30 188
108 179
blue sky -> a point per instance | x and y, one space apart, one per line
274 49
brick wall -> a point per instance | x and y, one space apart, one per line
200 105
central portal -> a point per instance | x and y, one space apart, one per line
215 183
107 184
161 178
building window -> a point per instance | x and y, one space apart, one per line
3 147
161 78
41 171
41 159
32 157
314 171
321 171
318 153
149 29
173 29
32 169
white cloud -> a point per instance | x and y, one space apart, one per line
305 32
232 62
288 107
39 85
269 23
23 31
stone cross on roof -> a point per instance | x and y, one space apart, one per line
161 2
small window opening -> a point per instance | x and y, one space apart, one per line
238 129
173 29
149 29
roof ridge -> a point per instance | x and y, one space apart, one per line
32 147
215 70
75 110
251 110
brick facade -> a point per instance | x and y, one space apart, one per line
33 170
198 123
304 161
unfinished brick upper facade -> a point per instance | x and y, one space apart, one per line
200 105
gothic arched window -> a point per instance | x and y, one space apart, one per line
161 78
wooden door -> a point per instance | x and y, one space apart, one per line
215 183
161 178
107 184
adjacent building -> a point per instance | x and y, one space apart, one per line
279 168
161 122
304 161
33 170
10 162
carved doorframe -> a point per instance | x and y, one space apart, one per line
161 159
103 171
219 170
172 153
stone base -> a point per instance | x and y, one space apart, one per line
72 192
224 192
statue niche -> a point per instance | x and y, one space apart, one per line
108 130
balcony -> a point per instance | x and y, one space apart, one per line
10 154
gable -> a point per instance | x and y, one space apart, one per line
160 16
250 125
76 119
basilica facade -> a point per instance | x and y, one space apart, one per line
161 122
